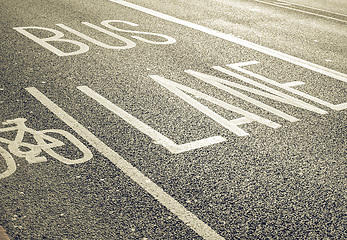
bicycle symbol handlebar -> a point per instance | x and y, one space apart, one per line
44 143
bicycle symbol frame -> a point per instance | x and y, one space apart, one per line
44 142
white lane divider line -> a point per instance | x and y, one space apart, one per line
286 57
158 193
302 11
144 128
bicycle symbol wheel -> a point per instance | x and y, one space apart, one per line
87 154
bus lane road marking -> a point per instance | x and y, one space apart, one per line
132 172
286 57
58 37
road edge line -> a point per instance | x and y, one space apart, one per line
283 56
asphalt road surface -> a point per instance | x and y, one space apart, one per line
204 119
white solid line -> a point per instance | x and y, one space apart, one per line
298 10
228 37
158 193
155 135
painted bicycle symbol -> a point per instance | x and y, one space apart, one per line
44 142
